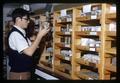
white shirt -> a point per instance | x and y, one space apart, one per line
17 41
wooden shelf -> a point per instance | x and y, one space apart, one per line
110 17
111 51
63 74
63 67
63 57
111 33
110 38
85 62
96 4
83 75
61 45
86 48
87 33
88 20
59 56
110 67
46 64
63 34
93 5
60 69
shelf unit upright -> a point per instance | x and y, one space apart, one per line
110 42
46 45
63 42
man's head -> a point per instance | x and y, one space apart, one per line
20 17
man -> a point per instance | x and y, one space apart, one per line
21 49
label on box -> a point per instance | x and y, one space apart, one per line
67 32
93 16
63 12
67 58
92 49
113 9
93 33
67 45
91 44
97 45
90 78
70 30
69 19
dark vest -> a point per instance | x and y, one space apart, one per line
19 62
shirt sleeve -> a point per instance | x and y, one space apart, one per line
17 42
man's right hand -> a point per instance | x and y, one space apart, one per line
43 31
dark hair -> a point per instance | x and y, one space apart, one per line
30 29
19 12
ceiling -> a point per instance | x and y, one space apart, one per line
9 7
33 7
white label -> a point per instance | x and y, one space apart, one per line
93 33
67 58
92 44
90 78
87 8
63 12
67 45
97 45
93 16
112 27
67 32
98 28
70 54
70 30
92 49
113 9
69 19
84 41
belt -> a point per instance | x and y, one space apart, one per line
19 76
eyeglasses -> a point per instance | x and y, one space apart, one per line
27 19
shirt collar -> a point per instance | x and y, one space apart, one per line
20 29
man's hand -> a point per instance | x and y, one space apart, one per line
44 29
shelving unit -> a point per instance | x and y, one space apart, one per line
84 43
91 52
